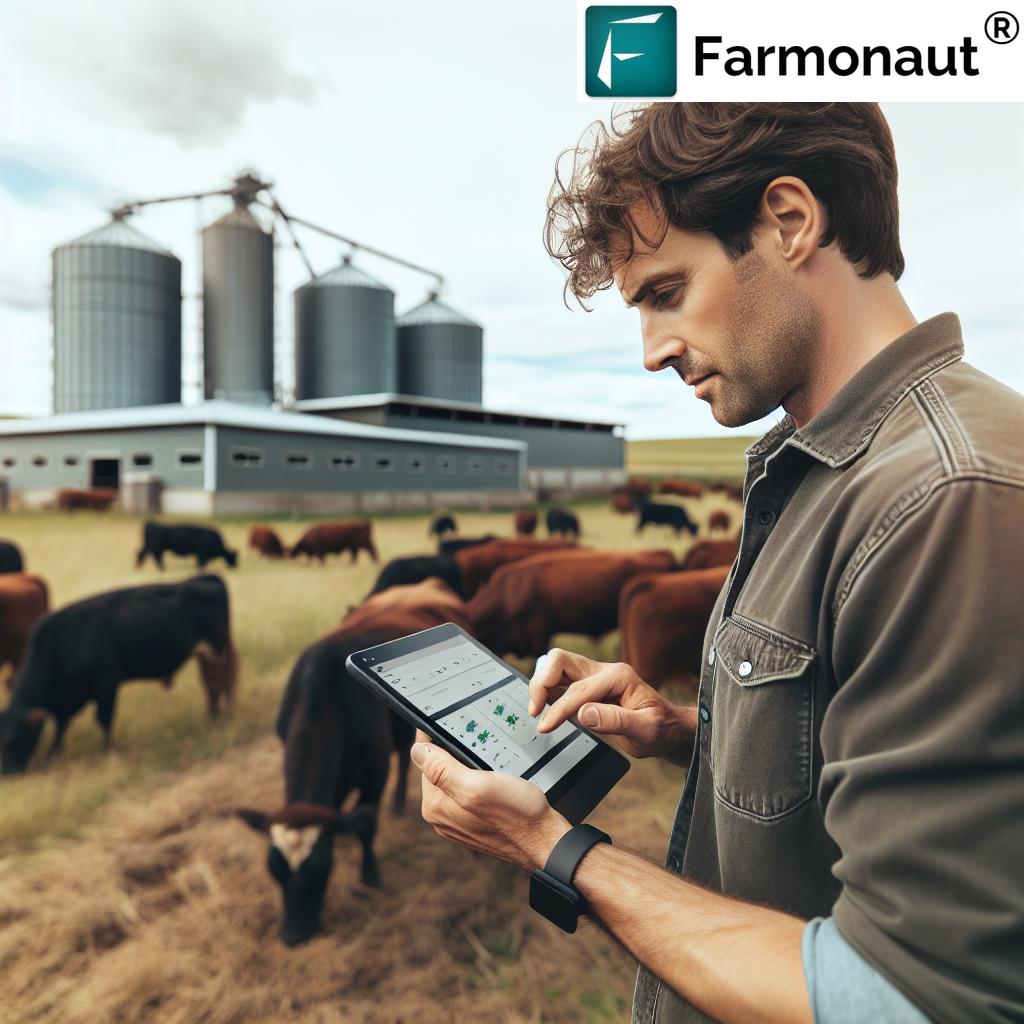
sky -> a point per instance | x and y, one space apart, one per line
426 130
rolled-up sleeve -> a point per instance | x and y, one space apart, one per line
922 784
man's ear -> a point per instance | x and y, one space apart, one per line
256 820
795 217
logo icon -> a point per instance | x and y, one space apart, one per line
631 51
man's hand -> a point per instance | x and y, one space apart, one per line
494 813
612 700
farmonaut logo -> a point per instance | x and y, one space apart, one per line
631 51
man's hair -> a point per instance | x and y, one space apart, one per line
705 166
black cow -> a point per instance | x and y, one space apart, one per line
415 569
10 557
449 547
442 525
665 515
202 541
338 738
562 521
84 651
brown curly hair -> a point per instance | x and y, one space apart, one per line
705 166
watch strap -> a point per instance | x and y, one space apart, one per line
569 850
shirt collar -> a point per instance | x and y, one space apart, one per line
842 430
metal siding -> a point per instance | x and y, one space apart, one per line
116 327
441 360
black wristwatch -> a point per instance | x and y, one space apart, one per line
551 889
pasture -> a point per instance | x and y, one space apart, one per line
129 892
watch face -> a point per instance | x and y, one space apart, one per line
559 903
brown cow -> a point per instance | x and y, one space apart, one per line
684 488
525 604
706 554
69 499
433 597
639 485
24 599
525 523
719 521
476 564
663 618
351 535
266 541
622 501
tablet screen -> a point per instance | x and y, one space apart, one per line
476 698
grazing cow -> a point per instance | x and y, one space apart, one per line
84 651
351 535
733 491
477 563
449 547
525 523
415 569
525 604
663 618
184 539
622 501
24 600
562 522
706 554
265 541
639 485
719 520
682 488
665 515
10 557
69 499
442 525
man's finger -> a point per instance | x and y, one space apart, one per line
554 669
442 770
603 684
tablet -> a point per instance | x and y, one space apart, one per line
474 705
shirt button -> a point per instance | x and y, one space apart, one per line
705 715
745 668
766 517
711 656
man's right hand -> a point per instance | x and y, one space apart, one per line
613 701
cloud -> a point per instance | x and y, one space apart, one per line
37 179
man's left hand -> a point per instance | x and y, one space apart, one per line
497 814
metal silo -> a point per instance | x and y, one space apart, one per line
440 353
238 308
344 335
116 321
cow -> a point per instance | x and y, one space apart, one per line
84 651
525 604
622 501
442 525
24 600
733 491
706 554
562 522
424 604
449 547
639 486
719 520
663 618
525 522
415 569
681 488
351 535
664 515
184 539
477 563
10 557
70 499
265 541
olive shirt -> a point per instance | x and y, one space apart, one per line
860 744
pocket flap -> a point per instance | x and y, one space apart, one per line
752 653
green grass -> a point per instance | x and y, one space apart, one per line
695 458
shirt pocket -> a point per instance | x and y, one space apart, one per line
762 719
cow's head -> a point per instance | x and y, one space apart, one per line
300 858
231 557
20 729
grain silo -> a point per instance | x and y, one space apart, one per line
116 321
344 335
238 308
440 353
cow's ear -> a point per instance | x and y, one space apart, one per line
256 820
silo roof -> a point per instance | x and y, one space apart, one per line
347 276
433 311
121 234
239 217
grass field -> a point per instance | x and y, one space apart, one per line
696 458
129 892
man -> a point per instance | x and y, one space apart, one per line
848 845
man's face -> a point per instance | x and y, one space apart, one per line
742 332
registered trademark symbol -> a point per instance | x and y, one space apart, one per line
1002 27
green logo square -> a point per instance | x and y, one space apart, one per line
630 51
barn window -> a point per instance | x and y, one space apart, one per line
70 460
502 466
298 460
190 459
383 463
142 459
40 461
475 464
446 463
415 463
10 461
345 462
250 457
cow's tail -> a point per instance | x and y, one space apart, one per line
219 673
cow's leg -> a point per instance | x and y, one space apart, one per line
141 557
369 871
353 554
398 800
58 737
105 704
200 561
158 557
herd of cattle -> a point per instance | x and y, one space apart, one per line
513 593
